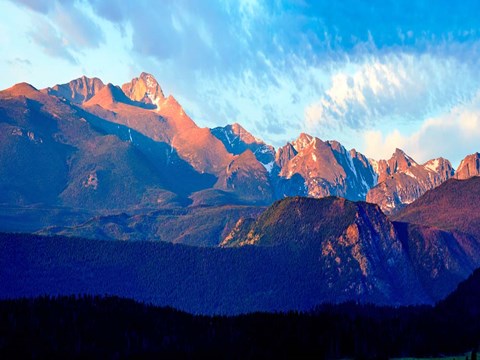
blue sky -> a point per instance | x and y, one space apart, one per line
374 75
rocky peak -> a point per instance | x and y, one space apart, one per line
302 142
20 89
109 94
354 154
400 161
77 91
245 136
470 166
246 157
237 139
285 154
440 166
144 88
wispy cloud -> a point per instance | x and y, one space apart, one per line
19 61
51 41
62 28
452 135
393 87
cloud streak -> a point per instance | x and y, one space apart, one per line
394 87
51 41
62 29
451 135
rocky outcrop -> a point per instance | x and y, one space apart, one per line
237 140
77 91
326 167
144 89
470 166
402 180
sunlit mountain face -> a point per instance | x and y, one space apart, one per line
106 162
130 147
229 158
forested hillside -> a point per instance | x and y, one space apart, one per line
106 327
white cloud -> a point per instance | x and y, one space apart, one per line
379 146
77 26
452 135
391 87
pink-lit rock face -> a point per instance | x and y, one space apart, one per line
307 166
144 88
402 180
326 167
77 91
470 166
164 121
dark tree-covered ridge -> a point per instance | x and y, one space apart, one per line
112 327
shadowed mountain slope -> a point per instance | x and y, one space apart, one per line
453 206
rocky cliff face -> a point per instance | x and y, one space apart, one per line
402 180
77 91
237 140
399 162
144 88
470 166
359 250
327 168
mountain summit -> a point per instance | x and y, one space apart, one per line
144 88
401 180
108 95
237 140
77 91
470 166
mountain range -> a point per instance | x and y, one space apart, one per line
107 147
268 229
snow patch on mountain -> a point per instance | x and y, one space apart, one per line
409 173
433 165
374 164
350 164
268 166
